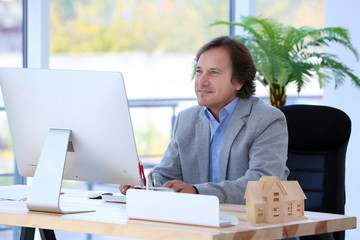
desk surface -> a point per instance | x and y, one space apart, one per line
110 219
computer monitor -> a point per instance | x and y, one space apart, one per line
68 124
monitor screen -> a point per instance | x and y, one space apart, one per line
91 105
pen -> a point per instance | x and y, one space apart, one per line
149 181
142 174
154 180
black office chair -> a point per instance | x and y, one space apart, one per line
318 139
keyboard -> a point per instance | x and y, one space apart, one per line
116 197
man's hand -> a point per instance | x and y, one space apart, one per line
180 186
124 188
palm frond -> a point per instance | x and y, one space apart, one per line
326 40
300 74
339 70
268 29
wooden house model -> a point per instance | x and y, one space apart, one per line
270 200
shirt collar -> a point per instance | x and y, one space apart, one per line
229 109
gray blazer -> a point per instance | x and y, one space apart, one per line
255 144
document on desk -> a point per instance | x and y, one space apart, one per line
13 194
176 207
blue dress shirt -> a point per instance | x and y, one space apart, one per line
217 130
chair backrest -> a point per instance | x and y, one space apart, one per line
318 138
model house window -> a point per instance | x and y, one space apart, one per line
276 196
260 212
276 212
299 207
289 208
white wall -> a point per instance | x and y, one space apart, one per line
345 13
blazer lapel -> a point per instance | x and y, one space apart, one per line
202 140
232 130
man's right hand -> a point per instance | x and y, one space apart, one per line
124 188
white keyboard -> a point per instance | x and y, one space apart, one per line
119 198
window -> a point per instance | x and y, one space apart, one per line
260 212
276 197
299 209
276 212
290 208
11 33
10 56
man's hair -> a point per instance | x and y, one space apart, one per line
243 67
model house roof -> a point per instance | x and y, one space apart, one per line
264 188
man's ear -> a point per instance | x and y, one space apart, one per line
238 85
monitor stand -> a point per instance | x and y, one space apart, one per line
44 194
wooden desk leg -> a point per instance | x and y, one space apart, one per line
28 233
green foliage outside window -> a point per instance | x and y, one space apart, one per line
123 26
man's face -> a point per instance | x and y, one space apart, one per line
213 85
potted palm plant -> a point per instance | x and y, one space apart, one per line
285 54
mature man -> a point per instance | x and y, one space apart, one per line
231 137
